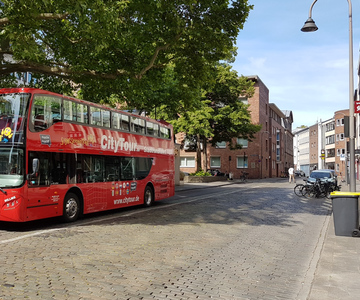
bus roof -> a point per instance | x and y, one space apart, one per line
41 91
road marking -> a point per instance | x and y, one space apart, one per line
29 235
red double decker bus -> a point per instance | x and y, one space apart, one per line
61 156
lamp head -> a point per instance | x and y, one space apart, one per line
309 26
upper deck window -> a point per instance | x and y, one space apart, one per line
165 132
45 111
105 118
120 121
99 117
95 114
77 112
152 129
137 125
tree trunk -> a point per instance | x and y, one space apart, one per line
198 153
205 164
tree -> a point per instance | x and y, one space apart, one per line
118 47
221 115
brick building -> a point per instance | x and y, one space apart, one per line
269 154
323 145
314 146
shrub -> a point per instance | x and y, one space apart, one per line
200 173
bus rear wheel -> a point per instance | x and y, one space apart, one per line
71 208
148 196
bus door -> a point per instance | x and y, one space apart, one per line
47 187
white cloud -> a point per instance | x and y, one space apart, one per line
257 63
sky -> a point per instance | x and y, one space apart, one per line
305 72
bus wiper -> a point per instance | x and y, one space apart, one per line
3 191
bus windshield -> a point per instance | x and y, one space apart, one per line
12 117
11 167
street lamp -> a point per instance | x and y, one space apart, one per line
310 26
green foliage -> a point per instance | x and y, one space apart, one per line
221 115
147 53
200 173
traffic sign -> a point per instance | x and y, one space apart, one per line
357 106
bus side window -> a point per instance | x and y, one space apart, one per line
105 118
98 169
39 123
43 175
82 113
95 116
125 122
127 168
143 166
69 110
164 132
137 125
115 120
45 111
112 167
152 129
83 168
61 168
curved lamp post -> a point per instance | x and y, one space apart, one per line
310 26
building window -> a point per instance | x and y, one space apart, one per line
242 142
278 145
330 153
187 162
221 145
244 100
330 139
242 162
340 122
330 126
215 162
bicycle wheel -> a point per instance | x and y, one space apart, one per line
298 190
308 191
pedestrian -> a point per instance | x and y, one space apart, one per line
291 175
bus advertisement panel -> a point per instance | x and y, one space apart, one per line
61 156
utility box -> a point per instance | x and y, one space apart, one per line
345 213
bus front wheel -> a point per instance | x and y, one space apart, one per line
71 208
148 196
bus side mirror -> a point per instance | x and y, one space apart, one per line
35 168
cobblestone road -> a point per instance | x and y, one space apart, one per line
246 241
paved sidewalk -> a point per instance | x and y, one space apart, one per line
337 273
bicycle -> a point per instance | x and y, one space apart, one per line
298 189
243 177
319 189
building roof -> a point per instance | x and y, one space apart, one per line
289 115
277 110
256 78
